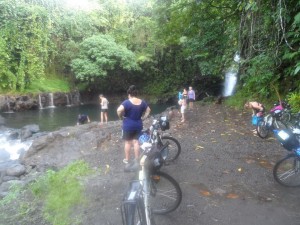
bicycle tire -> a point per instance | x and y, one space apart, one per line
136 214
287 171
286 117
133 208
279 125
262 130
174 148
165 193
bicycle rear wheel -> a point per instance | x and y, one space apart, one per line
287 171
279 125
286 117
174 147
165 193
262 129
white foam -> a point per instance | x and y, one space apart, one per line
13 147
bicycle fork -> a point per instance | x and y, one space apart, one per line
144 180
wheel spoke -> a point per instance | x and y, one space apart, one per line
287 171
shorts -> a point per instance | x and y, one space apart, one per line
191 100
182 109
130 135
104 110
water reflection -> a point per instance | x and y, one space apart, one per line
50 119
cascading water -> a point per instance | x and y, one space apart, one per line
231 77
230 82
11 149
68 101
40 102
51 103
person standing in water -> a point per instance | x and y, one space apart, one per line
104 109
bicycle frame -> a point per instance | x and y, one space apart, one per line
138 198
145 182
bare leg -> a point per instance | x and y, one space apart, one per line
191 105
101 117
127 149
136 148
105 117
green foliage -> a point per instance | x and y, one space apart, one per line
101 55
24 38
49 199
294 101
175 43
259 76
51 84
61 191
14 192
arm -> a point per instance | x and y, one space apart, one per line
146 114
120 111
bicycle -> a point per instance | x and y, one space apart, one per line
155 192
161 139
287 170
270 122
286 111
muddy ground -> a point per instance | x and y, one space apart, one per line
224 171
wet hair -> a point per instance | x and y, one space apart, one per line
132 91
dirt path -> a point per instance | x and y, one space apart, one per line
224 170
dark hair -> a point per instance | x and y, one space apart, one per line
132 91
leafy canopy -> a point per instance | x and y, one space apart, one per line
99 55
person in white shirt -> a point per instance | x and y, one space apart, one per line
104 108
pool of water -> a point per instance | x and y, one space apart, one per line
50 119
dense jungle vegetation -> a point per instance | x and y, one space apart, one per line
158 45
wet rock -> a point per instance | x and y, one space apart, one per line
14 135
38 145
28 130
8 178
25 134
16 170
34 128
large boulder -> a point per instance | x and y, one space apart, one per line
57 149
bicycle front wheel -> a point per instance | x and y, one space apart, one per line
165 193
174 147
287 171
262 130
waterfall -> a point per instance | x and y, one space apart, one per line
40 102
231 77
8 107
68 101
51 104
230 82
